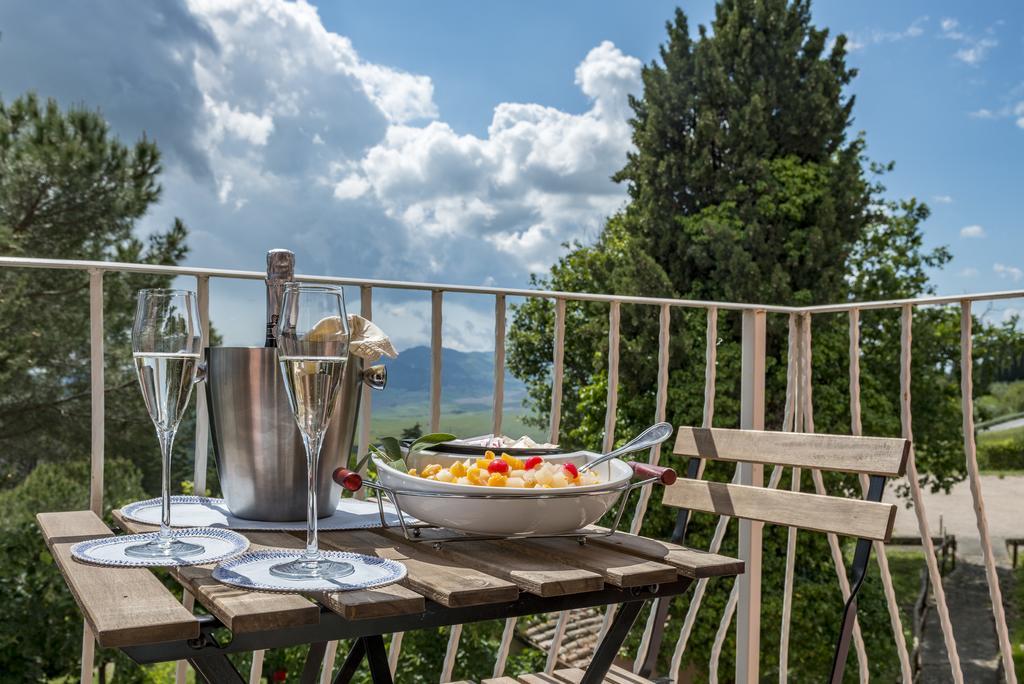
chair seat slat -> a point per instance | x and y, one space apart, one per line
842 453
851 517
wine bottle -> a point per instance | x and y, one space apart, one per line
280 270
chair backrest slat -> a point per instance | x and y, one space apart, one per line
851 517
869 455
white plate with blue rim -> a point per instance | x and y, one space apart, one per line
204 511
252 571
218 545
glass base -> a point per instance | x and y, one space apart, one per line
158 548
304 568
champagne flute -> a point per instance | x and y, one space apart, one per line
312 349
167 343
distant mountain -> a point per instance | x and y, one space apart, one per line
467 381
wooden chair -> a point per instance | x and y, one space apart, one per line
867 519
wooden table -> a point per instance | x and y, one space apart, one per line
462 582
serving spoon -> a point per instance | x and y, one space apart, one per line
656 434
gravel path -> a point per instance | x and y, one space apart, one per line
1004 508
966 587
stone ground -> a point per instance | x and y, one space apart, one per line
966 588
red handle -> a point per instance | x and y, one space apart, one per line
665 475
349 479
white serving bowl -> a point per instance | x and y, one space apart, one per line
508 510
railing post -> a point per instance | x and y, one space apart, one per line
556 371
974 478
748 622
98 410
366 398
558 361
201 446
435 360
499 363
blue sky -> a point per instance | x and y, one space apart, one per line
937 101
465 141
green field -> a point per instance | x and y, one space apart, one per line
462 424
1016 433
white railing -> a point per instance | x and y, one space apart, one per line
744 601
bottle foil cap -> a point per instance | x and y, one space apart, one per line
280 264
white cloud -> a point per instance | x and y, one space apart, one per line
277 133
1004 271
972 231
942 199
539 178
856 41
1015 112
969 272
974 54
974 49
351 187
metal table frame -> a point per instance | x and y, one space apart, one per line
208 653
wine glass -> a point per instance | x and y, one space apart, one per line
312 349
167 342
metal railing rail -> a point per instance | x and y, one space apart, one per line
745 600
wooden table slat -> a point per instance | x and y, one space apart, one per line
239 609
540 576
362 604
619 569
690 562
124 606
448 582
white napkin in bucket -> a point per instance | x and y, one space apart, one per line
368 341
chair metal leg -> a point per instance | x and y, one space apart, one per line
352 661
215 669
612 642
377 657
859 570
661 606
315 657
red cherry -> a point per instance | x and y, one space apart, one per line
532 462
497 466
280 675
571 470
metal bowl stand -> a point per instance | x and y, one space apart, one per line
413 533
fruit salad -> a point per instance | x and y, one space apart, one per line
508 471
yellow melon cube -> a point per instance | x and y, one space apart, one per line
513 462
496 480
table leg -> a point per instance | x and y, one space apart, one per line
215 669
612 642
377 657
314 659
351 664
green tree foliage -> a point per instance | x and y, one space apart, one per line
68 190
40 628
747 185
71 190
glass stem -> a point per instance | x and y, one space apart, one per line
313 444
166 438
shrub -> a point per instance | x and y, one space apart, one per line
1003 454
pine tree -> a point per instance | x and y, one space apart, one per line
746 185
70 190
743 184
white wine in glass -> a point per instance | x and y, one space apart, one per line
312 348
166 347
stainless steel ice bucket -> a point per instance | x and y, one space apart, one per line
260 458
